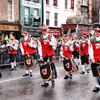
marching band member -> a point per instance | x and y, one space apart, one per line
12 46
48 43
29 49
76 49
94 56
66 52
84 53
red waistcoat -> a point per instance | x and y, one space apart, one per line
66 52
27 48
96 50
84 49
46 48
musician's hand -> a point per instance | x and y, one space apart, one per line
27 53
62 56
92 61
40 59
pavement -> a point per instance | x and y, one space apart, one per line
13 86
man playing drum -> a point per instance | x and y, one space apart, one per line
94 56
48 43
29 47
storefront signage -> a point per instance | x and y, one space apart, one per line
34 31
31 4
55 31
9 28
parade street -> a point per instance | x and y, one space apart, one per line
13 86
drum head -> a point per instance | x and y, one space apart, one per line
67 65
45 71
28 61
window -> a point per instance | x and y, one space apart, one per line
84 2
36 1
47 2
26 11
66 4
47 17
72 4
36 17
55 3
55 19
36 12
26 18
10 10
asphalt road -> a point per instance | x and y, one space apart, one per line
13 86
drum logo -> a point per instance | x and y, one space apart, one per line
67 65
28 61
44 71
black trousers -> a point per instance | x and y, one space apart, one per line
95 69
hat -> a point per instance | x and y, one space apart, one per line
25 32
44 28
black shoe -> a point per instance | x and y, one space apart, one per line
66 77
82 72
70 76
96 89
26 75
53 82
45 85
31 75
0 75
88 71
12 69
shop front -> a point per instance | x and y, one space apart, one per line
6 29
66 28
33 31
55 31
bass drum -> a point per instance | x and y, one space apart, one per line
69 65
29 61
45 71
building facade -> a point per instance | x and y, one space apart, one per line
9 17
96 11
31 15
57 11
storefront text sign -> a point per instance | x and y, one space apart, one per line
9 28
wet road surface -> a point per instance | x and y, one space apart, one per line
15 87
